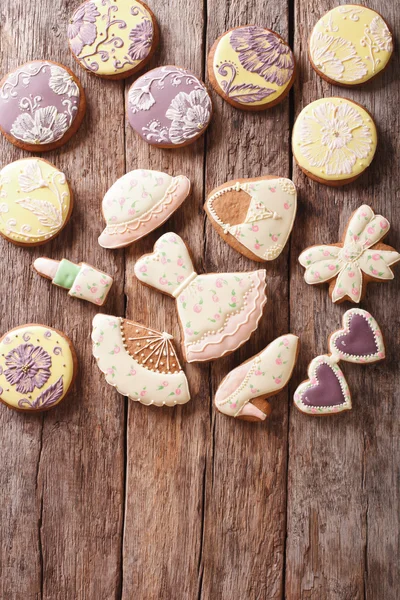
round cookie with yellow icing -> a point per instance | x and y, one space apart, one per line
252 68
334 140
350 45
38 365
35 202
113 38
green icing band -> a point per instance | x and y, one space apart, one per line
66 274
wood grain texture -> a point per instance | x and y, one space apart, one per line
342 496
107 499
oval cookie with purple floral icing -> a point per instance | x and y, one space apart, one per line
42 105
169 107
37 367
252 68
113 38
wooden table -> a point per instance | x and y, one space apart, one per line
102 498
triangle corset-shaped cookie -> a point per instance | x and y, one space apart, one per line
244 390
218 312
138 361
255 216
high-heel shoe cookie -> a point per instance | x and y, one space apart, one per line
218 312
244 391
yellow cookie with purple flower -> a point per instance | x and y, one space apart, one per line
38 365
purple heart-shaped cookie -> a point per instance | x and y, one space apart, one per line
359 340
326 391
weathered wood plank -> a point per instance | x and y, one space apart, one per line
62 474
343 499
166 448
244 529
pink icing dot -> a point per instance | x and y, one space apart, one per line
165 383
131 211
354 291
215 298
331 267
375 272
122 201
278 361
163 281
98 300
93 289
376 256
116 349
219 283
272 189
172 239
370 230
197 308
384 224
101 338
253 390
178 392
180 262
143 393
254 228
258 372
286 206
199 288
77 288
316 275
274 238
217 316
351 274
163 260
257 246
144 194
110 371
159 180
233 300
285 342
278 380
180 278
182 299
143 269
189 331
325 253
132 371
381 354
103 281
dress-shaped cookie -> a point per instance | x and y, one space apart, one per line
42 104
350 45
217 312
252 68
348 266
169 107
38 365
243 392
35 202
83 281
113 39
139 202
255 216
139 362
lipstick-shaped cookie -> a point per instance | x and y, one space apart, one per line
82 280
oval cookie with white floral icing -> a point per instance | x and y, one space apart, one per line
252 68
38 365
350 45
244 391
255 216
360 258
169 107
334 140
139 202
113 38
35 202
139 362
42 105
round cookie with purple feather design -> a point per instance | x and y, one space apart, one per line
252 68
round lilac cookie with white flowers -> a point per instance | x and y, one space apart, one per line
113 38
252 68
38 365
42 104
169 107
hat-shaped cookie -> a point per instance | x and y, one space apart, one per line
218 312
139 362
139 202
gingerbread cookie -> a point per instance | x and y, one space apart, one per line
350 44
218 312
169 107
349 265
35 202
139 362
139 202
252 68
255 216
113 38
334 140
83 281
244 391
42 105
37 367
326 390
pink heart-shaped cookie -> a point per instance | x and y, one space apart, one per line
326 391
